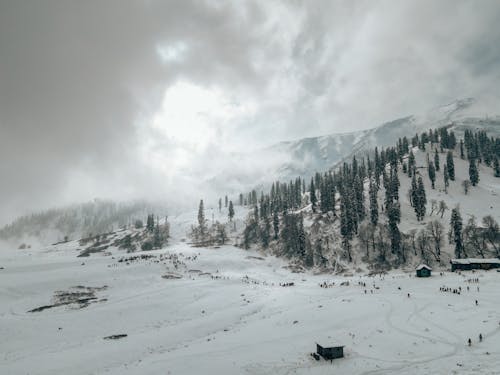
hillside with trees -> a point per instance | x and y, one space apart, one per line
430 198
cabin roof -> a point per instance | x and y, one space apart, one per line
422 266
331 346
475 261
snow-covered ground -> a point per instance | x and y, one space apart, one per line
228 314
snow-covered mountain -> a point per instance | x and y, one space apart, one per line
304 157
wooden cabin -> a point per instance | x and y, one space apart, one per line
474 264
331 352
423 270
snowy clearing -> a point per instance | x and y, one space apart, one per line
225 312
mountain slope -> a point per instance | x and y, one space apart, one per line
303 157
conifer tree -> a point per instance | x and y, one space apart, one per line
432 174
231 211
150 223
411 164
157 238
473 172
266 233
220 204
276 224
436 159
373 203
450 165
446 178
413 192
394 217
456 231
201 218
312 193
421 197
496 167
345 227
418 198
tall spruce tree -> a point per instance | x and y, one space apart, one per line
312 193
201 218
436 159
446 178
413 192
456 231
432 174
231 211
418 198
421 197
411 164
496 167
373 203
276 224
450 165
473 172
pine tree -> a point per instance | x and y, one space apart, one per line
432 174
411 164
473 172
373 203
413 192
150 223
496 167
345 226
225 201
157 238
301 237
418 198
312 192
231 211
462 156
276 224
451 166
394 217
436 159
220 204
446 178
422 198
266 233
456 230
201 218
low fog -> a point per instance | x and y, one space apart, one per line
150 99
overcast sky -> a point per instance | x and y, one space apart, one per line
123 99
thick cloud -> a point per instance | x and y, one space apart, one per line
92 92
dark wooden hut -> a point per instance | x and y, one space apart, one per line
474 264
423 270
331 352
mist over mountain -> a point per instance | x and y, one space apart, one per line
302 157
257 170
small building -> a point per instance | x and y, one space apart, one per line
331 352
474 264
423 270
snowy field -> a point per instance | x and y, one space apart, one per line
228 314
